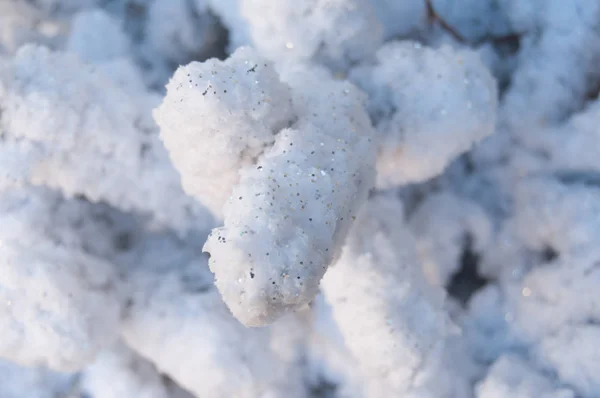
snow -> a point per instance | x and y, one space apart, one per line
299 199
420 134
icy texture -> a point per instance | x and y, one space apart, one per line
511 376
292 192
570 145
330 363
97 37
18 22
553 315
231 16
337 33
400 18
180 323
560 49
71 128
58 7
486 328
279 236
429 106
23 382
287 219
60 304
475 20
403 323
180 30
548 301
444 372
443 225
102 274
207 124
118 373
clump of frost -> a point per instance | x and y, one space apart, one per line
334 368
293 192
60 303
69 127
546 207
281 153
118 372
331 366
551 314
569 146
159 35
179 30
18 25
400 18
511 376
32 382
179 322
486 326
442 225
551 80
336 33
404 323
63 8
231 16
280 234
97 37
548 305
209 129
428 105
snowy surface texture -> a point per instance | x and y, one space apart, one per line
67 126
299 199
179 321
129 375
337 33
208 128
60 302
442 224
511 376
379 280
429 106
288 194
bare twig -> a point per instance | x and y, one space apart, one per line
433 17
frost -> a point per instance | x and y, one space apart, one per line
97 37
576 152
231 15
552 80
181 324
443 225
337 33
22 382
128 376
71 128
403 323
420 134
511 376
541 309
292 192
180 30
404 199
59 304
200 97
400 18
18 22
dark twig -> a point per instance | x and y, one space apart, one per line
433 17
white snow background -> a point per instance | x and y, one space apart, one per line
299 199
